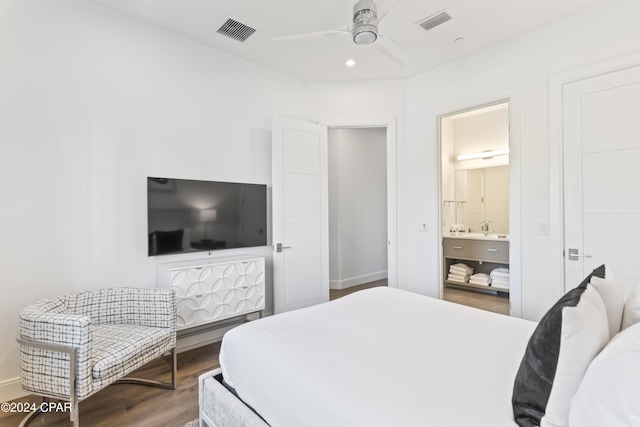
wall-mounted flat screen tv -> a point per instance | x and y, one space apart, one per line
190 216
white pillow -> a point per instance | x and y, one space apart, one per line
609 394
584 333
631 313
612 294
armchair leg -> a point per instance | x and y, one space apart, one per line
74 418
31 415
155 383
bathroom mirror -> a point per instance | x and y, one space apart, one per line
483 195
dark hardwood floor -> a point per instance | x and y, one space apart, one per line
126 405
484 301
134 405
337 293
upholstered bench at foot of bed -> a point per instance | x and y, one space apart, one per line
221 408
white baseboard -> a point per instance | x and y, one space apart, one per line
11 389
358 280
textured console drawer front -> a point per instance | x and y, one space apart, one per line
480 250
192 281
217 292
191 311
240 290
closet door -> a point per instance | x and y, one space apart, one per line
601 175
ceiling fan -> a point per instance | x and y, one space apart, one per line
364 31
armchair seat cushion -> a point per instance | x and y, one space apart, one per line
119 349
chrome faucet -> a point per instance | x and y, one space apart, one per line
485 227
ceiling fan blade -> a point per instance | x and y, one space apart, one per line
391 50
315 35
385 7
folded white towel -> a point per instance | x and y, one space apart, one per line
500 272
457 278
461 265
480 278
499 286
500 283
459 273
461 268
478 282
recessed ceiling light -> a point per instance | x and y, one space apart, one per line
350 63
459 39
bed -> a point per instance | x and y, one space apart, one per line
408 359
384 357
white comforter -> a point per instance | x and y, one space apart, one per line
380 357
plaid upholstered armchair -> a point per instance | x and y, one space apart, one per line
74 345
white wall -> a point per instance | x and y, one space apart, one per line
92 103
519 69
357 206
480 132
370 102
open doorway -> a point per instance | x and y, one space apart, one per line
358 207
475 200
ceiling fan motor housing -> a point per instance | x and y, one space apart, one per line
365 22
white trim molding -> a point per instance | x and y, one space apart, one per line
358 280
392 181
513 95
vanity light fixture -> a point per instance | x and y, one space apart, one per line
484 155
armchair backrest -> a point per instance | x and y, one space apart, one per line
138 306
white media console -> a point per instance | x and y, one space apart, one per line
214 289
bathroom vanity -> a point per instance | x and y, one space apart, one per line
480 252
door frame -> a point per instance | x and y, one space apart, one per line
556 134
513 95
392 178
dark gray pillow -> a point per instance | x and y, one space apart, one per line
535 378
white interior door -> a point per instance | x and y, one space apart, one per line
300 214
601 175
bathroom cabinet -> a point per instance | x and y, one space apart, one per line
483 254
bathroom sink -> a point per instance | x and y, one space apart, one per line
479 236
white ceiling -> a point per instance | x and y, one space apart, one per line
481 23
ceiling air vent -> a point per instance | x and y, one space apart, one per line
236 30
434 20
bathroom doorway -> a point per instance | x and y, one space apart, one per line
474 206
